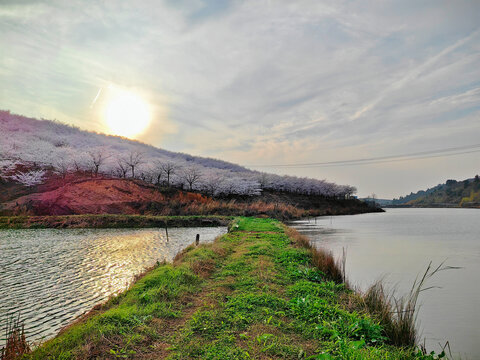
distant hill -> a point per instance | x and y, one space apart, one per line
380 202
453 193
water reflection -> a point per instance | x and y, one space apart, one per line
52 276
399 244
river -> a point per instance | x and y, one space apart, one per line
52 276
398 245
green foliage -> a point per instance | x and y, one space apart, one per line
453 194
208 323
244 309
257 224
327 290
260 249
329 321
279 346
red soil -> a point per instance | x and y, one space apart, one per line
88 196
78 194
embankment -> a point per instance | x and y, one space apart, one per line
258 292
109 221
78 196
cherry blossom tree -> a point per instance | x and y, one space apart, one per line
40 144
30 178
211 184
192 175
62 167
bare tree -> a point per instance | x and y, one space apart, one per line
146 176
135 158
169 168
191 175
122 168
157 171
98 158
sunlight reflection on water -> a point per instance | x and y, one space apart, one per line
52 276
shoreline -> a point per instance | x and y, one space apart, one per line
114 221
262 268
110 221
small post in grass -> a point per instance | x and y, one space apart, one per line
197 240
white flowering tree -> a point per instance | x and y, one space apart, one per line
192 176
30 178
35 144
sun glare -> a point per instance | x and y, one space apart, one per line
126 113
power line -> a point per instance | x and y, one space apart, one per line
459 150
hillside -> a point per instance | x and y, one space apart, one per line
379 202
30 148
453 193
48 168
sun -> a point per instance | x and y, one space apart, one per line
126 113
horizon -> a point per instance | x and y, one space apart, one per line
256 84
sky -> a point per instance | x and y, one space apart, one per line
262 82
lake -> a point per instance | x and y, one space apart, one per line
52 276
398 245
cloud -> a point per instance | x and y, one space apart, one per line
414 73
257 80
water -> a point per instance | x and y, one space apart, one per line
399 245
52 276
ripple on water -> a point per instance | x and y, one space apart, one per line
52 276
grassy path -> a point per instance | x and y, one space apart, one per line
252 294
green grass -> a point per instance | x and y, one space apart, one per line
253 294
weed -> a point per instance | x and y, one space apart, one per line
398 315
16 345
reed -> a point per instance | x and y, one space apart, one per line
322 259
398 316
16 345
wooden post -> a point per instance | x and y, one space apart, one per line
197 240
166 232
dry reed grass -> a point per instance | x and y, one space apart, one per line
321 258
196 204
16 345
398 316
203 267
